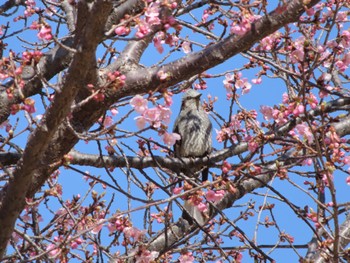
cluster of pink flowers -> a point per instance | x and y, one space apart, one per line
215 196
28 106
164 213
186 257
281 114
303 130
133 234
233 82
118 224
144 24
313 216
244 25
44 30
54 249
226 167
297 55
164 38
197 200
31 9
143 255
117 79
229 131
269 42
156 117
29 56
45 33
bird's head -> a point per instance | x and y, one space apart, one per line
191 99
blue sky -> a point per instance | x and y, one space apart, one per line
268 93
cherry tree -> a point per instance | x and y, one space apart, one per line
89 91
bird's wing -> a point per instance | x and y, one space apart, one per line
177 144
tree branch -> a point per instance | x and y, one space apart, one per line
12 199
147 79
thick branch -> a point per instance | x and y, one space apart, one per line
88 36
147 79
10 4
52 62
342 128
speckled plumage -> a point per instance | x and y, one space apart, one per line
194 126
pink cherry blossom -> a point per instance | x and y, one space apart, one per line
171 40
342 16
114 111
257 81
140 122
202 207
346 160
266 43
122 31
165 114
168 99
242 83
107 121
312 100
53 251
171 138
252 145
142 29
299 109
205 15
326 177
202 85
45 32
74 244
118 225
98 228
158 217
152 14
297 55
215 196
177 190
146 256
186 47
139 104
222 134
228 82
235 123
241 28
348 180
285 98
29 105
267 111
305 131
186 258
307 161
153 116
226 167
345 39
158 42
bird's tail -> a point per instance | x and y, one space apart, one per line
192 214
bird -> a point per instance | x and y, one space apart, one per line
195 128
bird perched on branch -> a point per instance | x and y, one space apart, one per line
194 126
